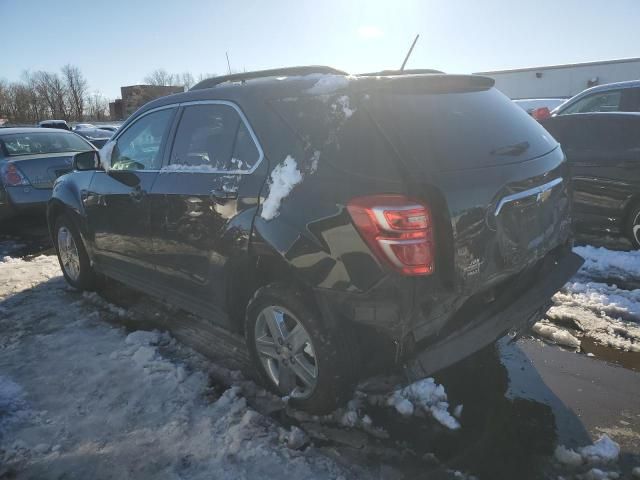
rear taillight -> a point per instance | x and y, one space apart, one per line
541 113
12 176
398 230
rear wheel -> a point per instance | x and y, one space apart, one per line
72 255
294 353
633 226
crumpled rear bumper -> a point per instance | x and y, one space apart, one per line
508 315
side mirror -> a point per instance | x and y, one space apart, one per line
86 161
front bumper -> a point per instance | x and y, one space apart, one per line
514 311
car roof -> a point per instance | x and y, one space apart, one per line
598 88
11 130
613 86
278 83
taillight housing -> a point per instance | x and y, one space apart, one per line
398 230
12 176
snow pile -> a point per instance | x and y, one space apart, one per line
283 178
601 298
329 84
605 313
555 334
424 396
604 450
597 474
603 263
110 405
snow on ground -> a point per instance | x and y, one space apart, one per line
603 263
424 396
603 451
607 314
106 405
284 177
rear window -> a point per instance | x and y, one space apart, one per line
459 130
335 129
17 144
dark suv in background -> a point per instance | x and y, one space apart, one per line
343 224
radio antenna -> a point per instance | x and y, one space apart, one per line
409 52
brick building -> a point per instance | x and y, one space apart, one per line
134 96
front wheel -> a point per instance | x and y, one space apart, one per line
633 226
73 258
295 354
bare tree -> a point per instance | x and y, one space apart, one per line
97 107
187 80
76 87
204 76
160 77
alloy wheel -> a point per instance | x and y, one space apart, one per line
68 252
286 351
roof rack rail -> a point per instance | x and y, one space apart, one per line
392 73
274 72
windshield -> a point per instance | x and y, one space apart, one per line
42 142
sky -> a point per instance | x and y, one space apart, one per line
119 42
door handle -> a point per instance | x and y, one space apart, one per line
137 194
219 194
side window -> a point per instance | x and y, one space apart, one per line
597 102
138 148
213 137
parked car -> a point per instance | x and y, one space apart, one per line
342 224
59 124
80 126
30 161
603 150
111 128
97 136
539 108
612 97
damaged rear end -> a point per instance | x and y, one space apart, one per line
498 188
454 210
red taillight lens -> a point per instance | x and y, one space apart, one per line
541 113
398 230
11 176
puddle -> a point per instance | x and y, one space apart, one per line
630 360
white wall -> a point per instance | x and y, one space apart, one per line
563 81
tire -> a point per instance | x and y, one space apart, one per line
77 272
330 354
632 227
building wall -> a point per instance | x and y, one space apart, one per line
563 80
135 96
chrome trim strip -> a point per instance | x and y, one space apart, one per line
526 193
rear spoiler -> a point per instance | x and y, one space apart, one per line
424 83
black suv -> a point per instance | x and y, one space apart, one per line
343 224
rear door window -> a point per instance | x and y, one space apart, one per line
213 138
608 101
